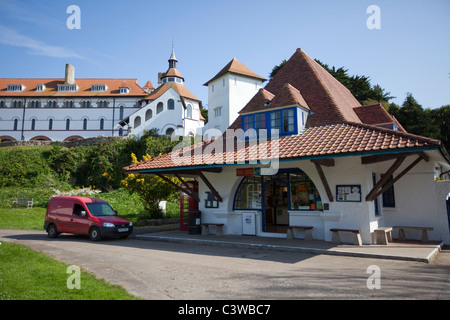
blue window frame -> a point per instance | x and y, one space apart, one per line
285 120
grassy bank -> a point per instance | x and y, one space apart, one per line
29 275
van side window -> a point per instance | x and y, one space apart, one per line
77 209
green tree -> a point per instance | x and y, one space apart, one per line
151 189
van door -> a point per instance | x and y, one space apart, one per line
79 220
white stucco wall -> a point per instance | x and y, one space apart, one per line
175 119
43 114
231 93
420 201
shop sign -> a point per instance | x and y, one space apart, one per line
248 172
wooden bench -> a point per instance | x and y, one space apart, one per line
382 235
401 232
356 235
308 232
219 228
22 202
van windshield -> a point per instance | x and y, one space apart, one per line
100 209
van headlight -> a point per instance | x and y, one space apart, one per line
108 225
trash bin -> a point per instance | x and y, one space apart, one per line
195 226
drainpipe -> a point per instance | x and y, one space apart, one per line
114 109
23 118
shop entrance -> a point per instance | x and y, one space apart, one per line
276 206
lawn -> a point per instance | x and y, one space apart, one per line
22 218
29 275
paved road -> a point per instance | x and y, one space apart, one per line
160 270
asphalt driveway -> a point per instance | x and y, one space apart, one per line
161 270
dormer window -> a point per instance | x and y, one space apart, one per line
67 87
15 87
124 90
99 87
40 87
285 120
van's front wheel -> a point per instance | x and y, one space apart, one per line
94 234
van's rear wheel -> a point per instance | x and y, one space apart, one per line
94 234
52 231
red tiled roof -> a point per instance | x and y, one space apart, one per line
258 102
376 114
237 67
329 100
316 142
172 72
179 88
83 91
149 85
288 96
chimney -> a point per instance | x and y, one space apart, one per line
70 74
160 76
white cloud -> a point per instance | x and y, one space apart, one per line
11 37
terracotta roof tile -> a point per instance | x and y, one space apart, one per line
331 140
83 84
330 101
179 88
237 67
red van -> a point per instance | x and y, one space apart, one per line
84 215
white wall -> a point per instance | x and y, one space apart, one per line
231 92
60 114
167 118
420 201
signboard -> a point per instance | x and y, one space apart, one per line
348 193
248 172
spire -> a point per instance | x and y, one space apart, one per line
172 60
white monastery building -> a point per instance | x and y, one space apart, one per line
72 108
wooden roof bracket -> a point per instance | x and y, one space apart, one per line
210 186
401 174
328 163
376 191
188 189
385 177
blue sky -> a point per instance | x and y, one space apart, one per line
118 39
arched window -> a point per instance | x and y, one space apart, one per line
67 124
120 132
148 114
189 111
34 104
16 124
102 124
50 124
85 121
33 124
137 122
159 107
121 113
170 104
169 132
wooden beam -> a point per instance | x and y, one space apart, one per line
187 186
372 194
383 157
324 181
210 186
193 195
324 162
401 174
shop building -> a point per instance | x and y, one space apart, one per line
304 152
